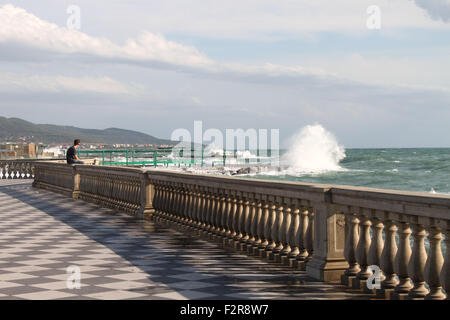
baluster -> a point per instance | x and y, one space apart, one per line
162 202
276 232
156 198
231 220
243 223
265 229
220 213
8 171
258 228
173 202
445 273
351 243
13 170
3 168
303 229
195 206
189 208
177 206
211 214
185 206
377 245
198 210
284 234
294 234
226 214
309 238
402 259
434 265
23 170
28 171
168 201
205 210
181 206
201 208
250 226
388 256
165 204
237 222
362 248
416 267
271 228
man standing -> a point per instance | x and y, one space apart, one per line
71 154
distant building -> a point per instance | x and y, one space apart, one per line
22 150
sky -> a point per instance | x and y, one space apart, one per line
156 66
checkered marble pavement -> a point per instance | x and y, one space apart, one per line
120 257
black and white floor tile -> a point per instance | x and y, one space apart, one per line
120 257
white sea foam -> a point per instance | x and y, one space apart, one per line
313 150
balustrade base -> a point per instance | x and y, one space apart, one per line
359 284
50 187
414 298
260 253
284 260
300 265
236 244
385 294
292 262
276 258
399 296
328 270
251 250
269 255
347 280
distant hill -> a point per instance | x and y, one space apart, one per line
14 128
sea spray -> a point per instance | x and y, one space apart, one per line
313 150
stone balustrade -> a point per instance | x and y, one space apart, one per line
113 187
335 233
57 177
274 220
407 219
120 188
19 169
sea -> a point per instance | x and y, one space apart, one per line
410 169
315 155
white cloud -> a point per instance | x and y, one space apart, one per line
19 26
19 83
256 19
437 9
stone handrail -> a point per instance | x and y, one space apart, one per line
408 217
275 220
20 168
24 168
333 232
57 177
113 187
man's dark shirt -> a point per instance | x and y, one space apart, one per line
70 155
